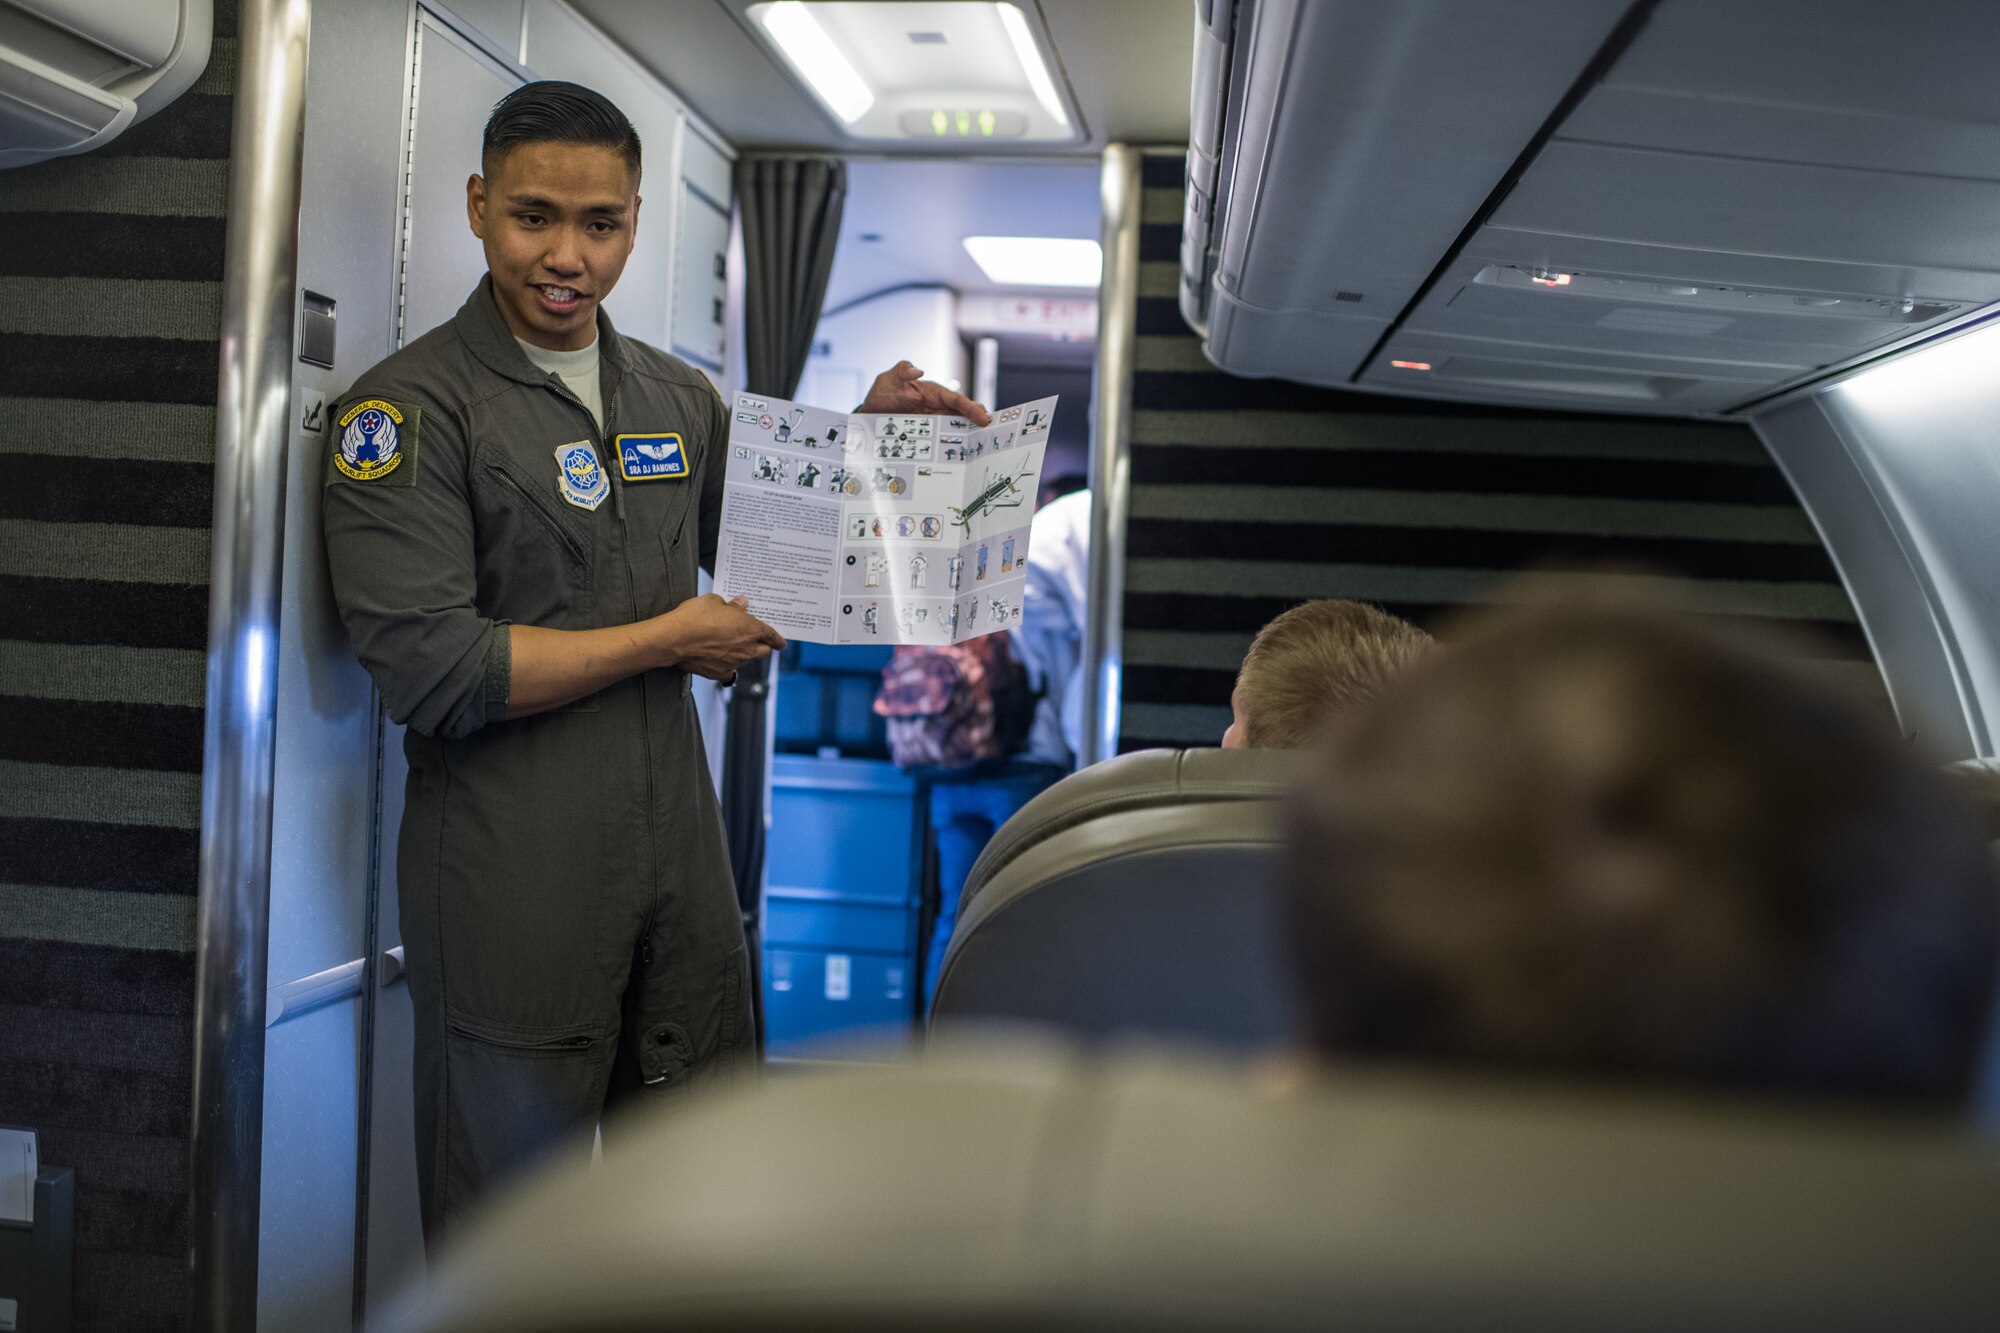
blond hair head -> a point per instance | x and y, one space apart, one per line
1316 659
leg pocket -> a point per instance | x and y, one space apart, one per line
709 1037
735 1019
511 1094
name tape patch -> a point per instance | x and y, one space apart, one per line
376 441
653 457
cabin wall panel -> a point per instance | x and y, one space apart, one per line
1249 496
318 1066
1918 433
562 45
110 308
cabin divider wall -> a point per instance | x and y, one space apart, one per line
1249 496
110 306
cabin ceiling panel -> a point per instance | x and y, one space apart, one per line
1510 371
1548 319
1127 63
1725 320
1499 245
1757 208
1922 61
1858 140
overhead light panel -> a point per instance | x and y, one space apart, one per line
815 58
896 70
1032 65
1037 261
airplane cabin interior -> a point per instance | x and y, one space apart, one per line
1686 309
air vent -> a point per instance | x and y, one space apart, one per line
928 38
1683 323
1347 296
1561 381
1562 284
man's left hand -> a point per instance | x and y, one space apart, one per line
903 388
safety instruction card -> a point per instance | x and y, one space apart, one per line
849 528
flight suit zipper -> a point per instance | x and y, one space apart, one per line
600 435
645 701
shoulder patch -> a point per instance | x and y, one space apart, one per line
376 441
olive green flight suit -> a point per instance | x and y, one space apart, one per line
569 922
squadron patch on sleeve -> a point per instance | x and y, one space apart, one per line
656 456
376 441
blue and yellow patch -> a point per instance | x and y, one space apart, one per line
374 440
579 478
652 457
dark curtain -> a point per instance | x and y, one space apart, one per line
791 220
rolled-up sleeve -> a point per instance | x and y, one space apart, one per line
402 559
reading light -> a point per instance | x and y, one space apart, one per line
889 69
1030 57
1037 261
817 60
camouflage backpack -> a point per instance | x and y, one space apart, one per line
956 709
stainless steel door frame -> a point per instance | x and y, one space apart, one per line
1111 451
253 420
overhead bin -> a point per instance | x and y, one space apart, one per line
1715 201
1356 140
75 74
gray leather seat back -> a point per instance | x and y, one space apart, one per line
1978 781
1143 780
1003 1189
1138 896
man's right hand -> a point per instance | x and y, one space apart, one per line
712 636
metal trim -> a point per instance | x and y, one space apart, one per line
1827 377
286 1002
1111 451
253 420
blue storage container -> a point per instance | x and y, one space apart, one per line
843 886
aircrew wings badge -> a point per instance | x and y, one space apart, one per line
377 441
653 457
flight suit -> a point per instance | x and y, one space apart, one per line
569 920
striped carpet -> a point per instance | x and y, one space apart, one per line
1249 496
110 297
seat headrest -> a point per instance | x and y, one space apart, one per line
1978 781
1143 780
1014 1187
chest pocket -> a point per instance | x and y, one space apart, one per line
667 509
535 561
680 550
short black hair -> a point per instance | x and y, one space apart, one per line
551 111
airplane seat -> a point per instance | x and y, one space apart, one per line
1978 780
1011 1186
1136 896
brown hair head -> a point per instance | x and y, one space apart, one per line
1593 840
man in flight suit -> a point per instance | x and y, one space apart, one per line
516 505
